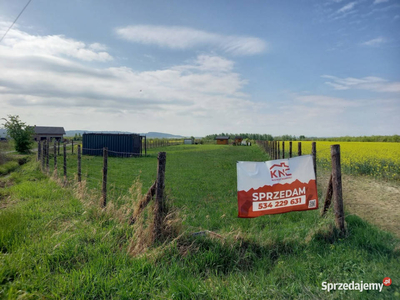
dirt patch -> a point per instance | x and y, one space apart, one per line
376 201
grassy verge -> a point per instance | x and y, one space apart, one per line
54 245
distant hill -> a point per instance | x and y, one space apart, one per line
150 135
160 135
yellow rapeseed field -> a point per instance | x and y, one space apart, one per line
376 159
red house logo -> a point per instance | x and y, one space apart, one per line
280 171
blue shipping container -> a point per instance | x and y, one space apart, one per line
121 145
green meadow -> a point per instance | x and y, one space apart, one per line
56 242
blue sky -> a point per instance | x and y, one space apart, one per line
314 68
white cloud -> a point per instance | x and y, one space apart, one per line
347 7
24 44
175 37
375 42
204 95
370 83
98 47
208 63
43 83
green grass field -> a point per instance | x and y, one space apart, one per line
55 246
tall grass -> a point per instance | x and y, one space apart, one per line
56 246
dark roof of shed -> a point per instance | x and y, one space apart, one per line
238 137
48 130
222 137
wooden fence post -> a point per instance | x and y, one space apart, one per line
79 164
104 188
283 149
159 203
59 146
299 149
38 151
72 147
65 163
145 146
279 150
314 156
337 187
47 155
55 155
270 149
273 150
290 149
43 154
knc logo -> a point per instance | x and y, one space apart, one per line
280 171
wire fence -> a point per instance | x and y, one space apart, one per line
110 178
70 166
156 143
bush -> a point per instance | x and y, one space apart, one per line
20 133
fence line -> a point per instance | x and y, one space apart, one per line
273 148
99 180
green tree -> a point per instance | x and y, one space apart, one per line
20 133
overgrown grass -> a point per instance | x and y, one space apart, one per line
56 246
8 167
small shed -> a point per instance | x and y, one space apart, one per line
120 145
48 133
222 140
238 140
188 141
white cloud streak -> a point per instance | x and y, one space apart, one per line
180 38
370 83
375 42
347 7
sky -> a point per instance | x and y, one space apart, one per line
299 67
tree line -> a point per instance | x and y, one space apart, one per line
374 138
257 136
286 137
